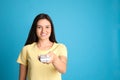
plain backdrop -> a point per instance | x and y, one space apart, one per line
89 28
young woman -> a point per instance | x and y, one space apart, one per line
42 58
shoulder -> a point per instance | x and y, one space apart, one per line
60 45
29 46
61 49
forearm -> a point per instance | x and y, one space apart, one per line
60 64
23 72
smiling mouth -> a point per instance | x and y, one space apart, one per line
43 34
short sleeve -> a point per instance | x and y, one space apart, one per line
22 58
63 50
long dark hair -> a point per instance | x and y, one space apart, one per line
32 37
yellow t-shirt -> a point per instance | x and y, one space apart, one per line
37 70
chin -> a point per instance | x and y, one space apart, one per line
44 38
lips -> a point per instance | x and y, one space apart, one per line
43 34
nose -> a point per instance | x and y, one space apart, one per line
43 30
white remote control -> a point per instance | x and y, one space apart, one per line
44 58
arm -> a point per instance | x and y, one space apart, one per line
58 62
22 72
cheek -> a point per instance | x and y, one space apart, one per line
50 31
37 31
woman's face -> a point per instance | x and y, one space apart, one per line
43 29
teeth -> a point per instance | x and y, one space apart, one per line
43 34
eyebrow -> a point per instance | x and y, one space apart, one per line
45 25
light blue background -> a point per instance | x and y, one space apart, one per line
89 28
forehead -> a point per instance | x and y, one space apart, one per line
43 22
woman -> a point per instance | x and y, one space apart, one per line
42 58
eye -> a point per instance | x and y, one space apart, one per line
48 26
39 27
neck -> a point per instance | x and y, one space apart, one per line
44 44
